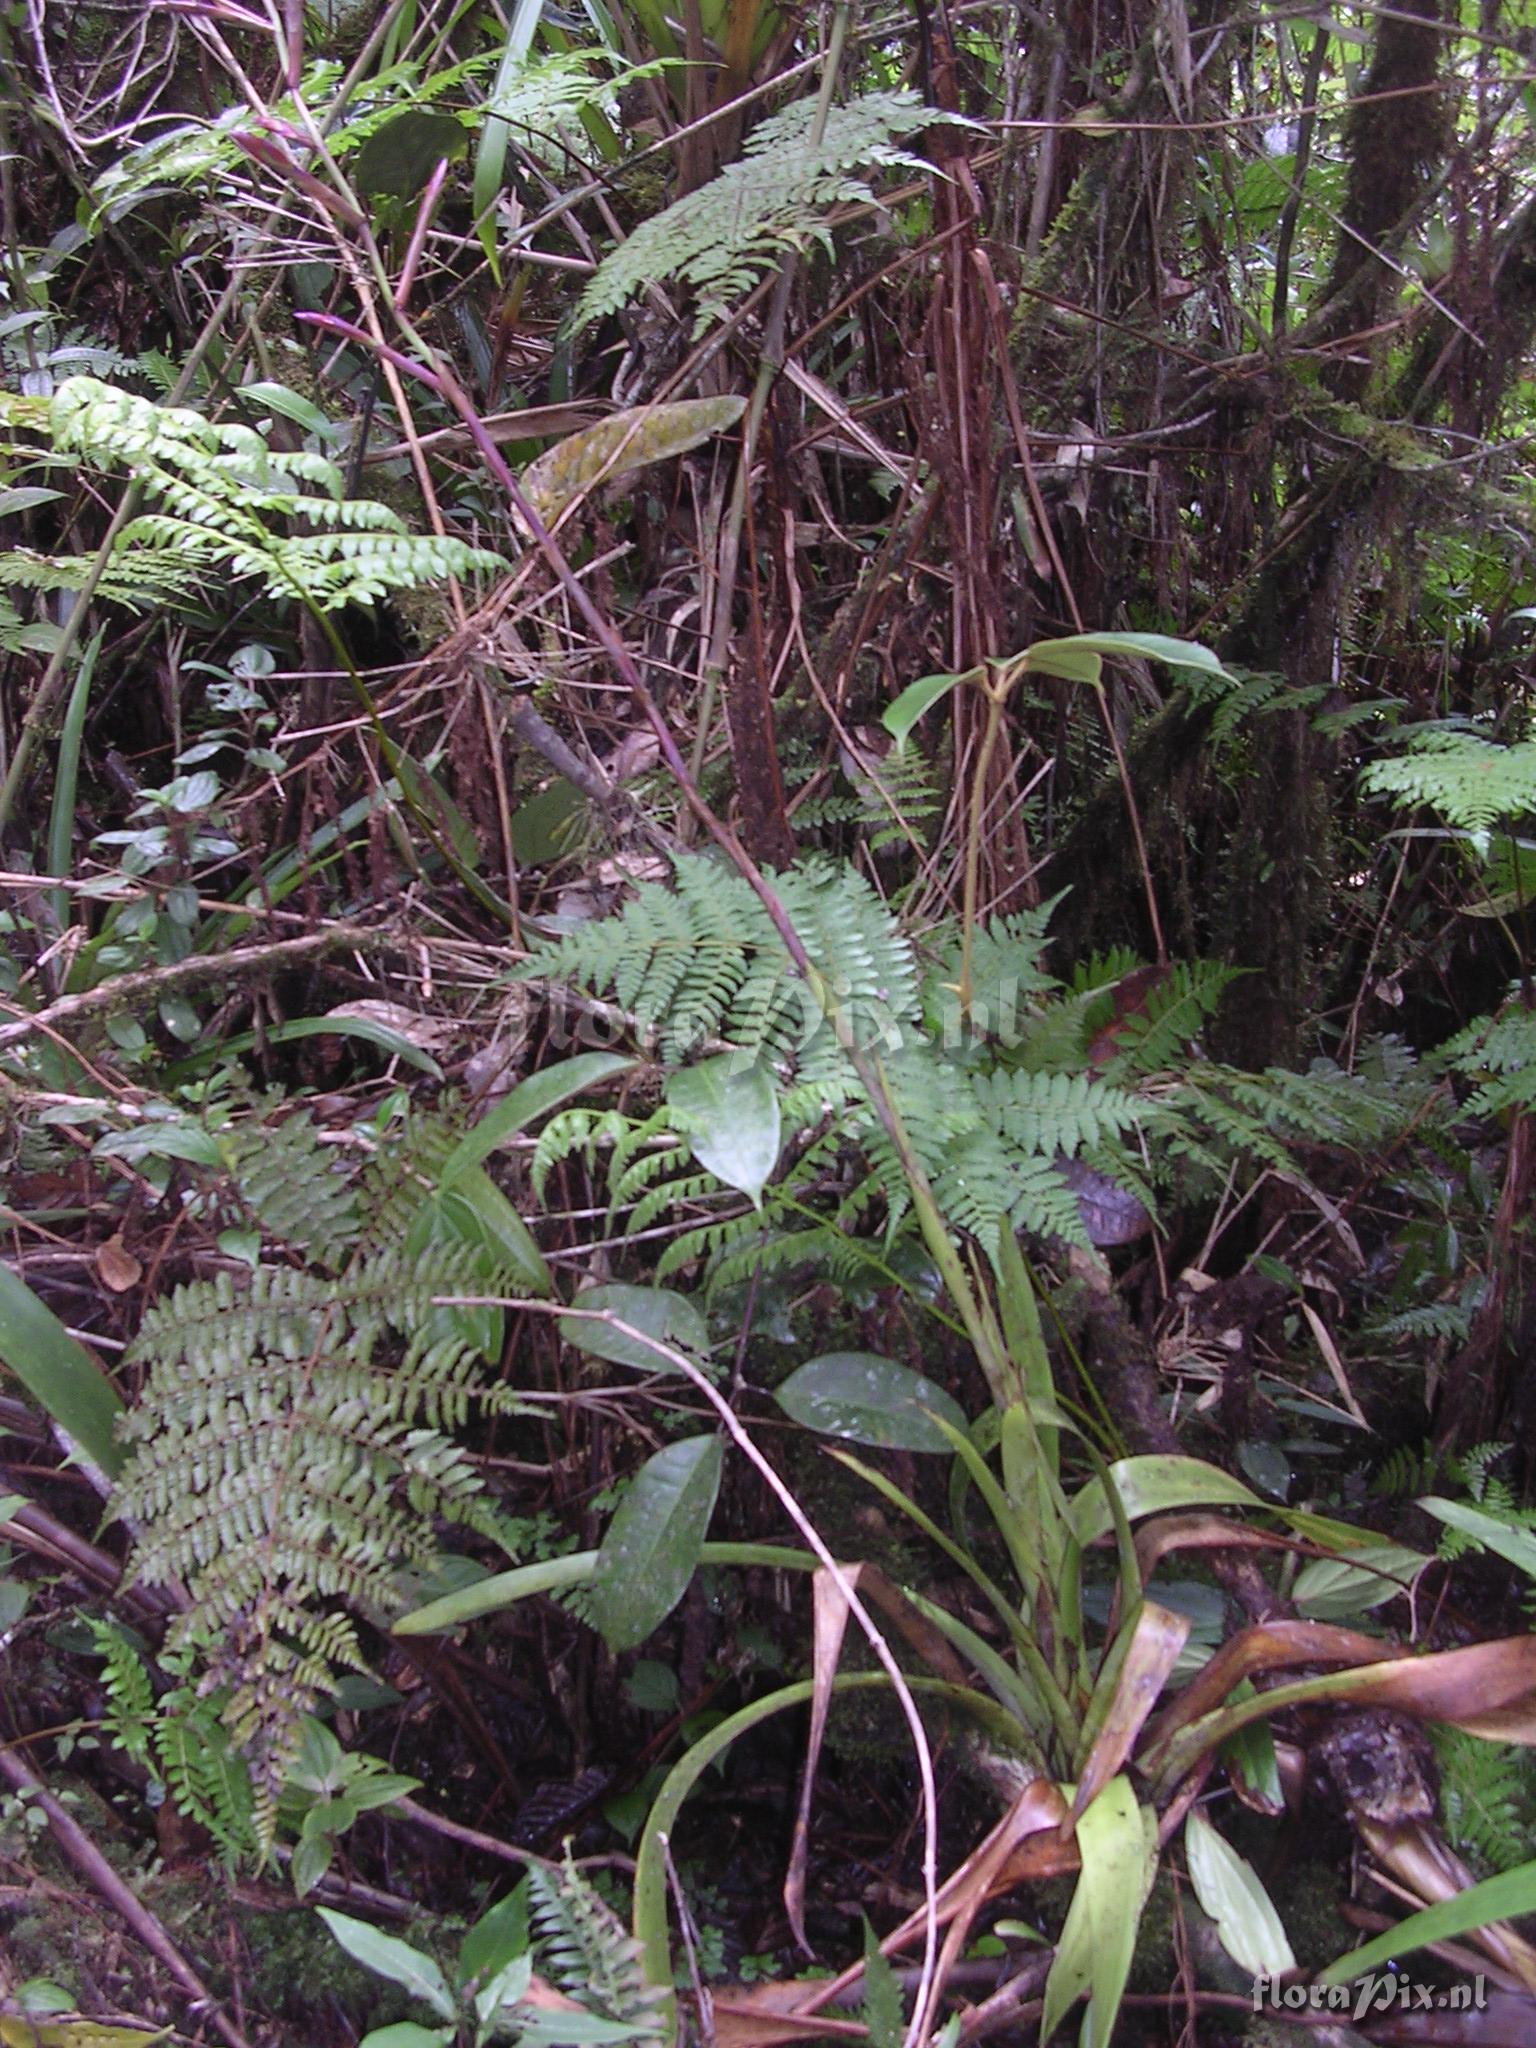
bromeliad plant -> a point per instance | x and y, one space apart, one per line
1066 1705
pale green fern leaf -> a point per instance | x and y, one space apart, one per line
225 501
1473 782
724 238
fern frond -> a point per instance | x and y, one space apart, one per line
587 1950
724 238
225 500
1473 782
1487 1796
296 1190
289 1454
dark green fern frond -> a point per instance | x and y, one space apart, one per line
588 1952
1154 1034
1050 1113
1487 1797
297 1189
1405 1471
1499 1052
288 1453
725 237
1435 1322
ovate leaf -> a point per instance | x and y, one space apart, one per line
900 717
624 442
731 1115
1226 1885
396 1960
652 1546
652 1316
870 1400
1338 1588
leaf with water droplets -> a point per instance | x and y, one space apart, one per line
870 1400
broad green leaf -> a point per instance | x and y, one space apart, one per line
473 1209
652 1546
504 1988
1227 1886
59 1373
497 1938
869 1400
732 1114
1504 1897
900 717
396 160
1045 654
311 1859
555 1574
575 2029
162 1138
1062 658
396 1960
1152 1486
264 396
1515 1546
654 1316
408 2034
1117 1840
540 1095
623 442
1335 1588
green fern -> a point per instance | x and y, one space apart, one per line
226 501
702 965
1499 1052
126 1683
289 1452
179 1739
1473 782
724 238
1405 1471
296 1188
1487 1797
588 1952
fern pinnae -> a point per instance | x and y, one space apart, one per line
723 238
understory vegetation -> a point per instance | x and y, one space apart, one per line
766 1023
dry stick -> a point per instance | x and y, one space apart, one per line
767 376
153 982
1048 535
98 1872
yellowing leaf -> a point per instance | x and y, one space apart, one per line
627 441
